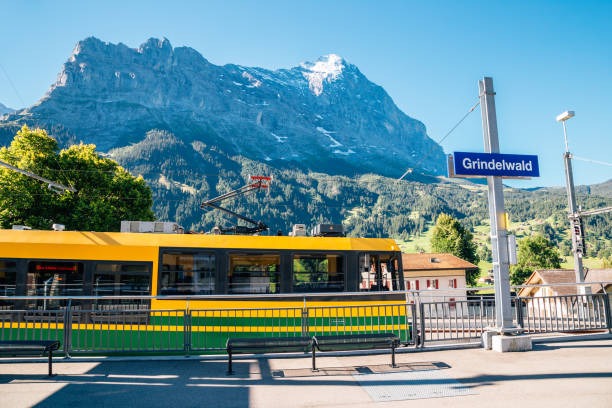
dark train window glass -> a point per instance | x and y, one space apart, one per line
116 279
187 273
8 281
53 278
254 273
318 273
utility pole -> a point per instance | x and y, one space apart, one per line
575 220
499 239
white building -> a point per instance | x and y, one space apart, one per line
444 272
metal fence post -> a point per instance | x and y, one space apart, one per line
608 308
305 325
414 333
187 332
421 335
68 329
519 312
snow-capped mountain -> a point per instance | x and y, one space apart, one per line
324 115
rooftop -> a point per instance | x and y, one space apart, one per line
551 276
435 261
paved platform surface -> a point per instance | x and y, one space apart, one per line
571 374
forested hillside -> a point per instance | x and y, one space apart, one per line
368 205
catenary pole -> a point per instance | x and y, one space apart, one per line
574 217
499 240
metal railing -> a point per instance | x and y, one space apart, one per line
32 325
209 329
397 318
455 320
566 313
117 328
120 331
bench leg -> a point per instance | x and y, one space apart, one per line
50 363
229 362
393 356
314 359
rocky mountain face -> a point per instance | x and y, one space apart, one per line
322 116
5 109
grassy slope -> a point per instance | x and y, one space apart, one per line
417 243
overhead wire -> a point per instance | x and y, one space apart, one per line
591 160
13 86
409 170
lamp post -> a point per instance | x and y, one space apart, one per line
574 216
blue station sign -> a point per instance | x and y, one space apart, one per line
495 164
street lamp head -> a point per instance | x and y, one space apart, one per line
565 116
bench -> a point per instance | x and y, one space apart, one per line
30 347
305 344
265 345
355 342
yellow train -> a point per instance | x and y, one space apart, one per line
78 263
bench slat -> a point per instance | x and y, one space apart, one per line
24 346
356 341
269 344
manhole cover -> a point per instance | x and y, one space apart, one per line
406 385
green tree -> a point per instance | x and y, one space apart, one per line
106 193
534 252
484 253
450 236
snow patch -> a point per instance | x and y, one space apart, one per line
319 117
349 151
327 69
328 133
254 81
279 139
266 158
237 83
389 127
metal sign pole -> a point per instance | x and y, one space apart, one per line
499 244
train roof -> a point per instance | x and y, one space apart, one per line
87 238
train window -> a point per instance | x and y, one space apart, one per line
117 279
254 273
378 272
53 278
318 273
187 273
8 281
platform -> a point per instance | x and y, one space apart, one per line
556 374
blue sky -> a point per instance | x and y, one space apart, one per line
544 56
